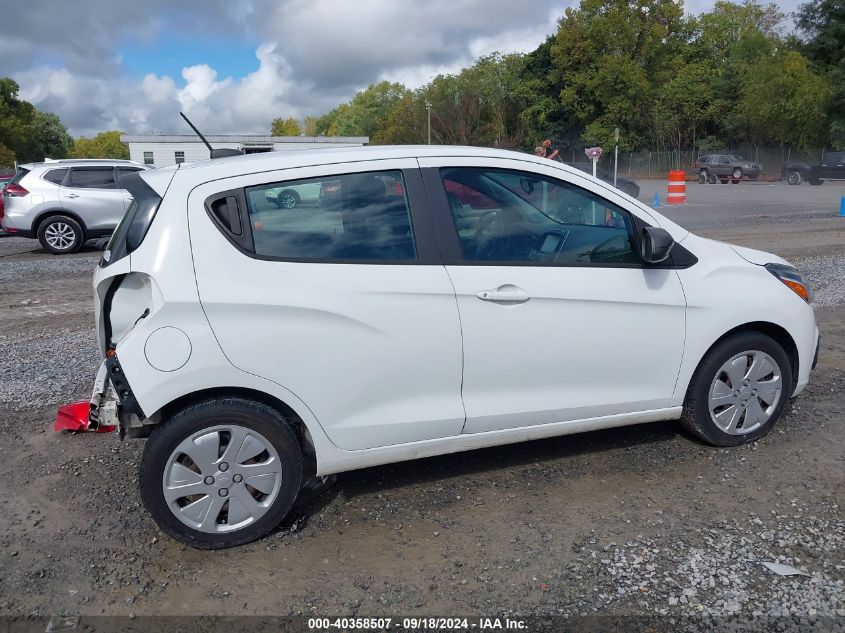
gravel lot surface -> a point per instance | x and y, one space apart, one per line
643 522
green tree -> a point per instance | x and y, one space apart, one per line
610 55
310 126
16 118
104 145
48 137
285 127
404 124
823 24
782 100
7 156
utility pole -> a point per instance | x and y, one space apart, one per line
616 155
428 112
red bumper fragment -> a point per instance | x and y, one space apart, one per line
74 418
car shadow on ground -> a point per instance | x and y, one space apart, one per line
537 453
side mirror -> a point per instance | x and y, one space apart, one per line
656 245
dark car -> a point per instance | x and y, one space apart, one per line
625 185
725 168
830 167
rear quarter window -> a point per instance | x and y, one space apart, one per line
55 176
365 218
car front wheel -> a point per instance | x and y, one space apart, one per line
221 473
737 174
60 235
702 177
739 390
794 178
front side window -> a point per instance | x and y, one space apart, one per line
506 216
354 217
148 158
180 157
92 178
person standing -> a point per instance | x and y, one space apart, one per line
550 152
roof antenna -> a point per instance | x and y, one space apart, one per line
213 153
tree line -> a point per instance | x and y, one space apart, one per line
741 74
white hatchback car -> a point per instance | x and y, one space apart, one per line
446 299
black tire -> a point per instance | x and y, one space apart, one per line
166 437
713 179
816 182
287 199
696 416
736 174
794 178
703 177
60 235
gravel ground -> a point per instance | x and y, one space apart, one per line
639 523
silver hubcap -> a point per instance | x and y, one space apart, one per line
289 201
60 235
222 478
745 392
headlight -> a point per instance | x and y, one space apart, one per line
792 279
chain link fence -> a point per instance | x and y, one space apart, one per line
657 164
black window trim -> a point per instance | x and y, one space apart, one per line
450 245
422 222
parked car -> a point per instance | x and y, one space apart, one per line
5 178
290 197
627 185
383 327
830 167
725 168
62 203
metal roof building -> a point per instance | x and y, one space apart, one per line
162 150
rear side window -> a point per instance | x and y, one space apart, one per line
136 221
55 176
18 176
92 178
355 217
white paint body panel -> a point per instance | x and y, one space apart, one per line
374 349
372 357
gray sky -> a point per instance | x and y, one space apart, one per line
234 66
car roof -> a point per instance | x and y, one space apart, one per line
92 162
227 166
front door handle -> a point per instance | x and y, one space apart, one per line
504 294
72 195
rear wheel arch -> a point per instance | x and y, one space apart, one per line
289 413
45 215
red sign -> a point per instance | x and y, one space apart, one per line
593 153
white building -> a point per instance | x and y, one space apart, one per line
168 149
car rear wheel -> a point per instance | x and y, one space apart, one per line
60 235
702 177
739 390
221 473
737 173
794 178
713 179
288 199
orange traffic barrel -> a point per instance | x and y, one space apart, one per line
677 193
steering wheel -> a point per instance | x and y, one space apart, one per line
491 227
596 254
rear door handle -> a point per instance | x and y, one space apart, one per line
71 195
504 294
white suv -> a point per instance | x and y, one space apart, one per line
65 202
443 299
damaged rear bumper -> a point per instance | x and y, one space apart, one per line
112 401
